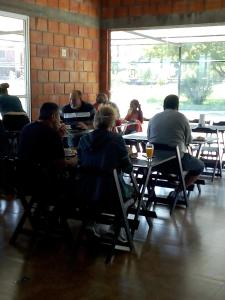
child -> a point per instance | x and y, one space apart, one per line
134 114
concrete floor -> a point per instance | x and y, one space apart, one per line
179 258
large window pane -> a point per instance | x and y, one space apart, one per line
14 66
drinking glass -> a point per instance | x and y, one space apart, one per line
149 150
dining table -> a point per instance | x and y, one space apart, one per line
148 165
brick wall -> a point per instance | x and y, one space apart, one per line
122 14
113 9
52 75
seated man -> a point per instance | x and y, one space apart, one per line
77 113
172 128
41 144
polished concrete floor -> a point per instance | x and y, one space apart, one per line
179 258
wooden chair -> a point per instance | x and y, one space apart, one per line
102 201
210 152
170 175
40 200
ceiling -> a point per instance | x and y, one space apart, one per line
178 35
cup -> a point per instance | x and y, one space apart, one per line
149 150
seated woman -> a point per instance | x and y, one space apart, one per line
134 114
103 150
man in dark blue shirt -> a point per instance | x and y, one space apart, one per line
77 113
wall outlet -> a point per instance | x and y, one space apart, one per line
63 52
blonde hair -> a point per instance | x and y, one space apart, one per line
105 117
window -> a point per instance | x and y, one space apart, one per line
188 61
14 56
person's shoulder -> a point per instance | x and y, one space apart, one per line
87 105
66 108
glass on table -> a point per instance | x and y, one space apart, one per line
149 150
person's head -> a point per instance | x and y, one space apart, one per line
102 98
105 117
49 111
4 88
134 104
75 98
171 102
116 109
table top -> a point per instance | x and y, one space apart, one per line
159 158
138 136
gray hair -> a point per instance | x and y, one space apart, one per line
105 117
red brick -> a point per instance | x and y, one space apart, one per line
79 43
91 77
69 65
197 6
32 24
36 89
34 112
35 37
179 7
87 43
64 76
59 88
73 53
95 66
63 99
93 33
48 88
33 76
74 29
47 38
88 88
58 40
69 41
121 12
79 65
41 2
84 9
33 50
83 54
83 31
53 98
53 3
69 87
42 24
212 4
64 28
74 76
54 76
88 66
53 26
79 86
64 4
107 13
43 76
48 64
59 64
53 51
74 6
83 76
36 63
135 11
42 51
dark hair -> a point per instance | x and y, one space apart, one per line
4 88
102 98
171 102
47 110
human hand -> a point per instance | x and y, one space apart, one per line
62 130
82 125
